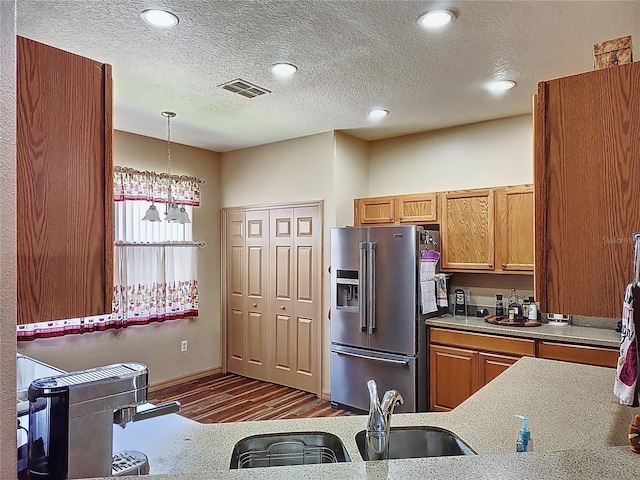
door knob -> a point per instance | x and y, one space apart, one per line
254 305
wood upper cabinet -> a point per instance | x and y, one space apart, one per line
374 211
467 230
419 208
64 185
514 228
488 230
587 175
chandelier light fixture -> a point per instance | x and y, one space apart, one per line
173 213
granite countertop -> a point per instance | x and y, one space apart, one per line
602 337
578 427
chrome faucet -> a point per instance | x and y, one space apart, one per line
379 421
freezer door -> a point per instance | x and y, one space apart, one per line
348 286
394 296
351 369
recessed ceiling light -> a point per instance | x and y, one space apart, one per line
436 18
160 18
501 85
378 113
283 69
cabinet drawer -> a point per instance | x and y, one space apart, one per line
604 357
484 342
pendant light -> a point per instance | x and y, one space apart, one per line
173 213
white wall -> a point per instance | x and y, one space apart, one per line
487 154
7 238
157 345
350 176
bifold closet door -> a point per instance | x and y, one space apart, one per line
257 254
236 293
295 272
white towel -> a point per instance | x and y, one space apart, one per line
427 270
428 296
627 369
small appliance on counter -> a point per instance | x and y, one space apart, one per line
71 418
460 305
558 319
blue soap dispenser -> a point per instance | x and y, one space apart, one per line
524 442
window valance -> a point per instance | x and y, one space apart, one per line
130 184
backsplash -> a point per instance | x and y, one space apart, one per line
481 290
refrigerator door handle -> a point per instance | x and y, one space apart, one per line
363 286
371 271
377 359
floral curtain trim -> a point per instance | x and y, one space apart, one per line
131 306
130 184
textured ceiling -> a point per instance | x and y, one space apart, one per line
352 56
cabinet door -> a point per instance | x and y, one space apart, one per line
453 376
257 271
514 228
467 230
295 271
374 211
604 357
420 208
236 288
586 175
492 365
64 185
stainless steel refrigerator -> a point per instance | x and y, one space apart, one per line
377 328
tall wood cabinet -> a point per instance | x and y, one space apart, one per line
64 185
587 178
272 262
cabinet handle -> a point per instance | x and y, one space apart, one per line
282 307
491 265
504 265
254 305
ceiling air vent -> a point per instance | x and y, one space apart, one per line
244 88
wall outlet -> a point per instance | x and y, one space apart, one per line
184 346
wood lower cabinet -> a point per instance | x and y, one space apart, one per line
453 374
64 184
587 173
600 356
463 362
491 365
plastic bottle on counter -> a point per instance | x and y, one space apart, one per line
533 309
524 443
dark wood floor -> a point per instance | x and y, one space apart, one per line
232 398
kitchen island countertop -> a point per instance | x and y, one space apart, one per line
598 337
578 427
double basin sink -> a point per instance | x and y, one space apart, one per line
300 448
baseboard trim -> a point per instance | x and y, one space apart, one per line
326 395
184 378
